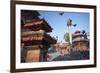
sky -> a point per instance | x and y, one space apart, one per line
59 22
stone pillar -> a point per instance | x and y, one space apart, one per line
38 54
33 55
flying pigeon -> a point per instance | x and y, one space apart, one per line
74 25
61 13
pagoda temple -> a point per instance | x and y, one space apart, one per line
35 37
80 42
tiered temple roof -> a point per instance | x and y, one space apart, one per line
29 15
43 39
37 34
35 30
79 37
37 24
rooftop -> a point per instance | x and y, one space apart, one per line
36 25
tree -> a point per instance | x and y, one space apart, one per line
66 37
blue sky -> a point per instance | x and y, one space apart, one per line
59 22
